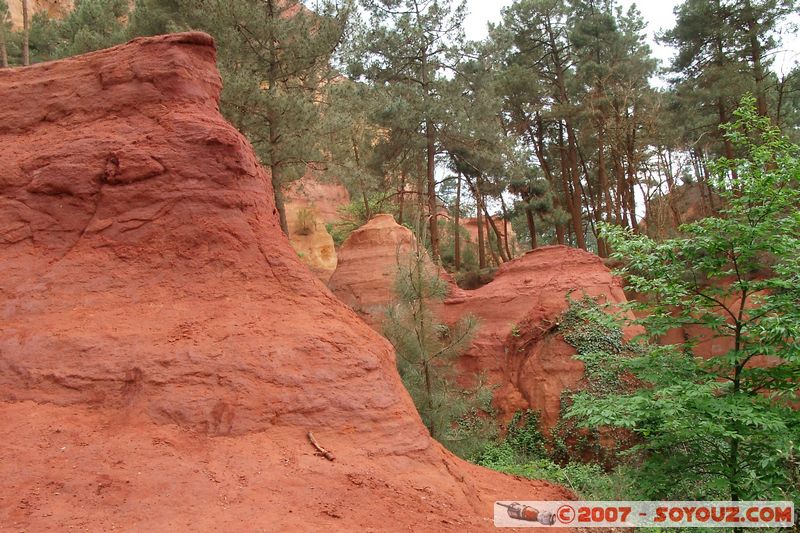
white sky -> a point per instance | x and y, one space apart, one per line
658 14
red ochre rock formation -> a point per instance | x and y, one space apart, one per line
163 352
319 203
325 197
517 345
53 8
368 263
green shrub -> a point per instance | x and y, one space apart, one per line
306 221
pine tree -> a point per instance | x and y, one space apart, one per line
406 46
92 25
426 350
349 136
480 146
537 200
275 60
613 63
724 50
5 31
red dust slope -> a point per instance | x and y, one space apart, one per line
163 352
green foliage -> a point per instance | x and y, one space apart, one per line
720 426
92 25
524 435
469 259
474 279
45 38
358 212
597 337
339 232
523 444
523 452
5 32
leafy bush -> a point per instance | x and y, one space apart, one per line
524 435
719 427
597 338
475 279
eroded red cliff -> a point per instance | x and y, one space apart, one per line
518 345
163 352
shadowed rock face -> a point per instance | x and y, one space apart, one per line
518 346
163 352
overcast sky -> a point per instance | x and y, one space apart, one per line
657 13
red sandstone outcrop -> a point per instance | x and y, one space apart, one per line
517 345
368 264
163 352
53 8
325 197
311 204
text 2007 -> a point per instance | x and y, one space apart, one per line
603 514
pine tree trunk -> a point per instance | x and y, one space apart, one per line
433 206
490 223
280 206
3 51
719 60
531 228
505 228
756 60
631 184
603 174
457 236
572 147
565 183
605 189
493 225
274 163
577 216
666 161
481 243
538 142
495 259
429 392
26 31
401 194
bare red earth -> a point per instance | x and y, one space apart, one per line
163 352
